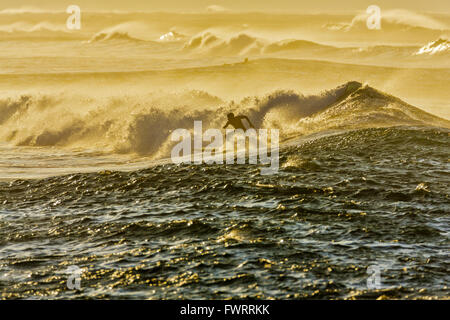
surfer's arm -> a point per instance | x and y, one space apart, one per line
249 122
226 125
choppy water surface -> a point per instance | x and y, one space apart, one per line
369 197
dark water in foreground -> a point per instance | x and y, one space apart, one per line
374 197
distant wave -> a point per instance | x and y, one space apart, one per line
37 31
142 125
27 9
208 43
212 44
439 46
290 45
242 43
132 31
109 36
392 20
29 27
217 9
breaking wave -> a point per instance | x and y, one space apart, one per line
172 36
439 46
143 124
208 43
131 31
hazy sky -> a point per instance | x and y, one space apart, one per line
235 5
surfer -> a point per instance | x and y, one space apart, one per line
237 123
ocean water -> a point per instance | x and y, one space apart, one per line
359 208
339 204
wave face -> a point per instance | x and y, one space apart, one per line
340 204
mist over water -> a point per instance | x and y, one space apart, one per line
86 179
